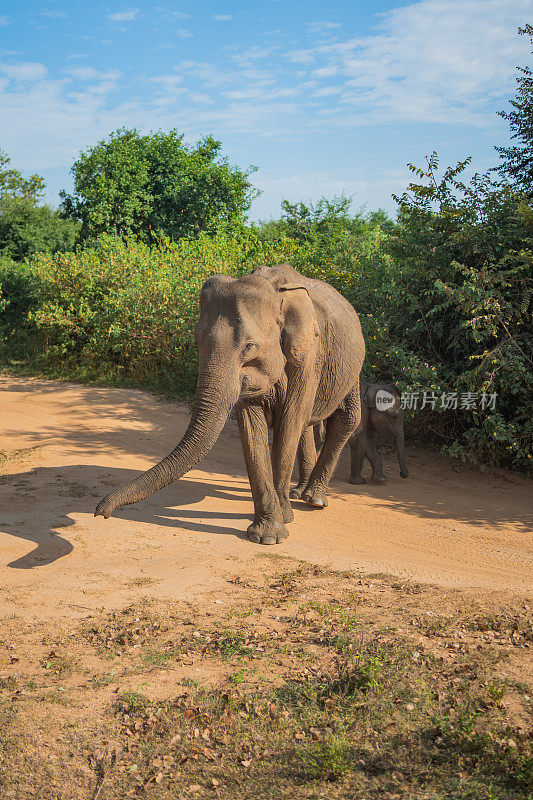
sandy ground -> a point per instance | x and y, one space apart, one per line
446 524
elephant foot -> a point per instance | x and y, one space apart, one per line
379 478
357 480
288 513
267 532
404 473
297 491
315 497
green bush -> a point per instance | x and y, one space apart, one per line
122 312
19 295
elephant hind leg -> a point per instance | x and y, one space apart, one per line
400 447
306 461
340 426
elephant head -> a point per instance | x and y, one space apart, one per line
249 329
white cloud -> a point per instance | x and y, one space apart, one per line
182 33
302 56
52 13
430 61
322 27
258 77
253 53
124 16
90 73
326 72
222 17
167 81
210 74
5 20
259 94
328 91
25 71
200 97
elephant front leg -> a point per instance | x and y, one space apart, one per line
306 461
358 450
289 432
374 456
267 527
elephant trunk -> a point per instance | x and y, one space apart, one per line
215 397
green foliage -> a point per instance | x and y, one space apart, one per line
25 227
462 300
132 702
517 160
326 232
122 312
19 292
327 760
156 185
13 184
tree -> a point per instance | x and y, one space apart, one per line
14 185
325 220
518 159
26 227
153 185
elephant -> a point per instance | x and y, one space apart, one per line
384 415
285 351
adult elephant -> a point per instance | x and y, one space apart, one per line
286 352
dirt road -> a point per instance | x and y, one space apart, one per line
446 524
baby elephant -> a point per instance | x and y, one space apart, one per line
381 410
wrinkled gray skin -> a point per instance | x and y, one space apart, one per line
362 443
285 351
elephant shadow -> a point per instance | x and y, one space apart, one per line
36 506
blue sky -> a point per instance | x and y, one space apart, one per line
322 98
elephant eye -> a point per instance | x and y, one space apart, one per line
247 349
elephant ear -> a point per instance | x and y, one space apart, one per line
299 325
369 397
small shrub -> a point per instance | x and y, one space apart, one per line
327 760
